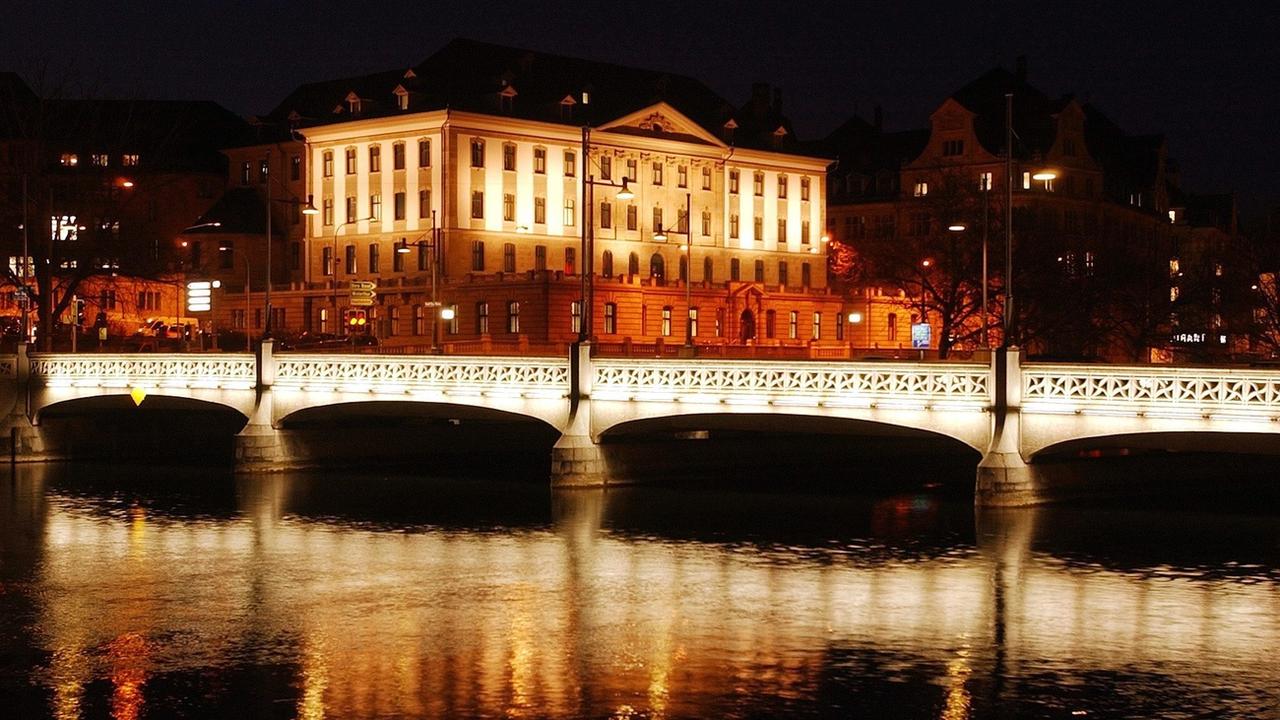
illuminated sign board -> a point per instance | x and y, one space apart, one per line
200 295
921 336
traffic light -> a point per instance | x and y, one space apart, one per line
79 311
357 320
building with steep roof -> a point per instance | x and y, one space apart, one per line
486 163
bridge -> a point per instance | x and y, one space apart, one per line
1008 412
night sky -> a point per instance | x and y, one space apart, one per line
1207 75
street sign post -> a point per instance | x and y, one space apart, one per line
363 292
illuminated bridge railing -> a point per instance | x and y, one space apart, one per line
447 375
186 370
869 385
1206 393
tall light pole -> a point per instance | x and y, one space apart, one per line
1008 220
588 237
661 235
434 246
248 304
333 258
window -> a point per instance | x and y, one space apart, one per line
540 160
1174 267
782 273
477 204
633 264
606 167
684 269
921 188
424 258
509 257
419 320
482 317
682 221
508 156
69 160
263 168
394 325
351 259
424 153
513 317
570 212
397 261
374 265
804 188
1026 181
633 170
666 321
351 208
657 269
733 226
693 322
295 256
735 270
606 215
759 271
806 275
375 207
477 153
477 255
452 327
246 172
782 186
570 261
1173 293
706 178
707 267
839 328
706 222
540 257
102 159
793 325
657 219
952 148
399 201
757 184
606 264
327 163
657 173
539 210
570 163
733 182
575 316
770 324
610 318
351 161
682 176
758 226
508 207
817 326
891 326
397 156
804 232
424 203
782 230
127 159
328 211
375 158
633 217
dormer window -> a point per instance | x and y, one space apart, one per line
353 103
566 107
952 148
507 99
402 97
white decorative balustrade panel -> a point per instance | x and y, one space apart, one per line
522 376
237 371
1155 391
753 381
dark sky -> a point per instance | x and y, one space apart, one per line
1206 74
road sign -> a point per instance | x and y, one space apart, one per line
363 285
363 292
921 336
361 300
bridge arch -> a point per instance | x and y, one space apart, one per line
1217 441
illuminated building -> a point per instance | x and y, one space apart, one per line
487 142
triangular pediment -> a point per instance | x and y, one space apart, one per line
661 120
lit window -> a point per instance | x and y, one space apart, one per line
508 157
782 186
100 159
1174 291
1026 181
513 317
817 326
666 321
64 227
540 160
482 317
1173 216
569 212
610 318
69 159
539 210
733 182
804 188
1174 267
706 178
793 325
375 207
575 316
351 161
570 163
129 159
757 183
477 153
984 181
375 158
508 207
921 189
327 163
682 176
657 173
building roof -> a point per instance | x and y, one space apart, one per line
474 76
240 211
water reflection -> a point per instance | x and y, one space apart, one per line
128 596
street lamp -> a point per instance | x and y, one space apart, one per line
1042 174
958 227
224 247
438 313
689 349
589 232
308 208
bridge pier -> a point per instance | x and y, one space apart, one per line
577 460
1005 479
260 446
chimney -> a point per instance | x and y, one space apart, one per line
879 118
777 100
1021 71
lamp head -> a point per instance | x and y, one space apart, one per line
957 227
1044 175
660 235
310 207
625 193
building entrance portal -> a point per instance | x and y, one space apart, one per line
748 326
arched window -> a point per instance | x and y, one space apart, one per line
684 269
891 326
606 264
657 269
633 264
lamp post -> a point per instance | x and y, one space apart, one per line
333 257
223 247
689 349
308 208
433 245
588 237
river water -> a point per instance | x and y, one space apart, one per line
162 593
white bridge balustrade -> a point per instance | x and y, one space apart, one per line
1009 412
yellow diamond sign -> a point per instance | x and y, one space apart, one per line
138 395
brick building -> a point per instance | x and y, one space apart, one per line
475 162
